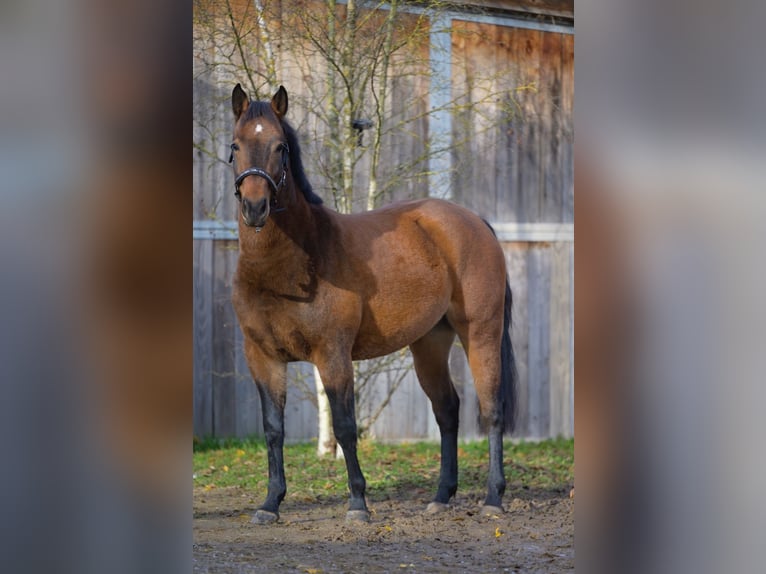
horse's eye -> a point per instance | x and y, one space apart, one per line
234 147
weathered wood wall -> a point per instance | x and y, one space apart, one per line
514 134
511 162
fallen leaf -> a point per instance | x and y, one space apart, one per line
498 532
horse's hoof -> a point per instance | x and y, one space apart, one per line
358 516
264 517
489 510
436 507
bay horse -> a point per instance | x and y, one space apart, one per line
315 285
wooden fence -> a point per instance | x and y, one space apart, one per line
511 162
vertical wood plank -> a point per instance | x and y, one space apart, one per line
560 349
539 277
552 193
482 187
528 54
516 255
224 389
203 338
505 208
566 139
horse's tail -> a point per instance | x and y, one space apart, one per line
508 373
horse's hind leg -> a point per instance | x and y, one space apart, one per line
481 338
431 359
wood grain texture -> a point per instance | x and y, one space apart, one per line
512 127
203 338
561 421
539 283
223 377
516 255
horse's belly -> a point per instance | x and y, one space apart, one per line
386 329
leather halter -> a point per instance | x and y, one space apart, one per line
265 175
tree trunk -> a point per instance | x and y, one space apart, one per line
326 444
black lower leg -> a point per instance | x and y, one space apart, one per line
448 474
273 424
344 426
496 479
447 416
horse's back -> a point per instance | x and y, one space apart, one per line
444 231
416 262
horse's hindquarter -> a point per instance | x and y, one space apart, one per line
416 260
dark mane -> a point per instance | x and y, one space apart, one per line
260 109
296 165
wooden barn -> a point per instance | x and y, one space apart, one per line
477 108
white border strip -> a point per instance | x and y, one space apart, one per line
535 232
509 231
215 229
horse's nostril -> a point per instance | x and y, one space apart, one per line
260 208
255 212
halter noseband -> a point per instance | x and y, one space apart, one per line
258 171
265 175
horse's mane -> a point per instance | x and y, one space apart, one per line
259 109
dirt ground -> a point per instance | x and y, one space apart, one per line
535 534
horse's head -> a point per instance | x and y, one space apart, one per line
260 150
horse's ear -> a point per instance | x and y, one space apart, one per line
279 102
239 101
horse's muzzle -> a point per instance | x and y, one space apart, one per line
255 214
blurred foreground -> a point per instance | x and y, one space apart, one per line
96 300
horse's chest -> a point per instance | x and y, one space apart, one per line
278 327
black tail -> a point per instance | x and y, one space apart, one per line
508 374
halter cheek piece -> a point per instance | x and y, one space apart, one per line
265 175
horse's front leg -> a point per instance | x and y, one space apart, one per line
270 379
338 379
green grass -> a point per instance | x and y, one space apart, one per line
391 470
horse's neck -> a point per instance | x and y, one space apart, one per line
281 246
